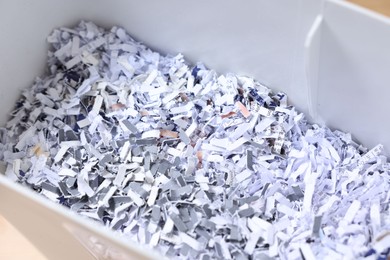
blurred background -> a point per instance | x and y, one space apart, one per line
14 246
380 6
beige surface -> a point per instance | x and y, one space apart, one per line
14 246
381 6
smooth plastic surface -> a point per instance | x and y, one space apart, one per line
354 73
334 66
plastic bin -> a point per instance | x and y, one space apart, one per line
331 58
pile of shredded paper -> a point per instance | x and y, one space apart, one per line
194 164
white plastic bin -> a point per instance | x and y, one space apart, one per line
331 58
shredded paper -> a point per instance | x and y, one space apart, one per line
192 163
